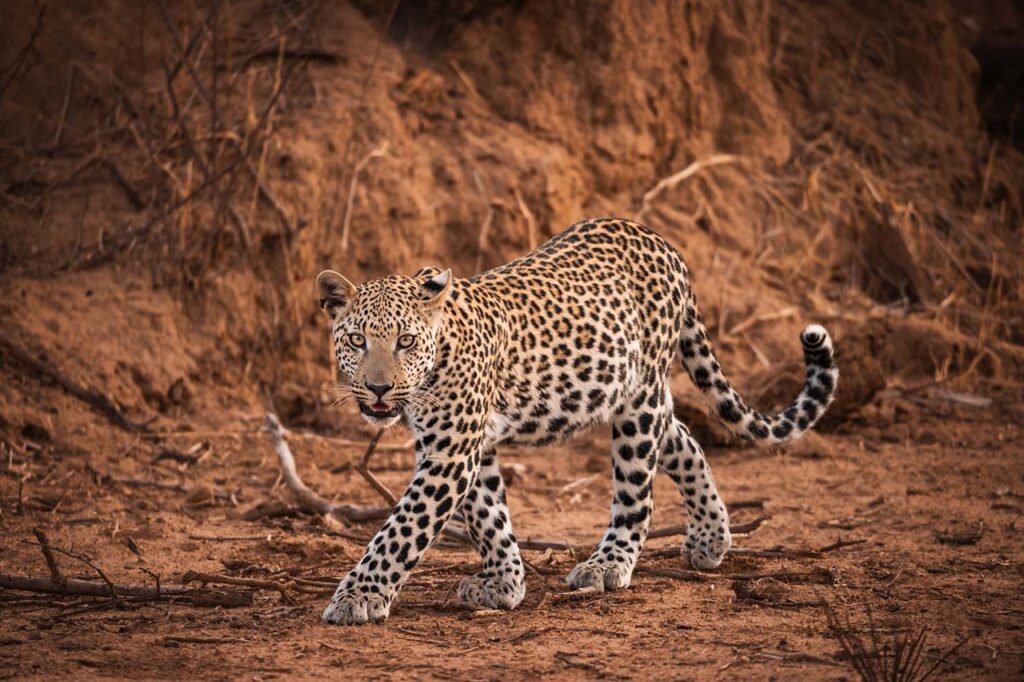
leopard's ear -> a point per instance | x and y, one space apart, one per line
427 272
435 291
335 291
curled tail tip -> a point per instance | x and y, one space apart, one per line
814 337
817 345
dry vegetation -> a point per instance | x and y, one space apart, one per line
173 175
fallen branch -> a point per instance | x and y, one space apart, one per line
111 588
281 586
788 553
86 588
302 493
311 501
967 538
839 544
542 545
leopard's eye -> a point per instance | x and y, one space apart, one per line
406 341
357 341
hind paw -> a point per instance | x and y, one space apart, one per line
605 576
705 549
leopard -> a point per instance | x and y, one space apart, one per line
581 331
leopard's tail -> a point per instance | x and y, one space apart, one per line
706 373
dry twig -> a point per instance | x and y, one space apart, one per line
364 470
51 561
376 152
673 180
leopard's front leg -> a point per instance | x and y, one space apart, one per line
446 469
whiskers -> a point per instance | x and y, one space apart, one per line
340 393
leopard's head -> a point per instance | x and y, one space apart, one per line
384 334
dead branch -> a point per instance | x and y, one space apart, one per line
785 552
111 588
967 538
228 538
86 588
181 639
311 501
303 495
281 586
160 485
668 531
542 545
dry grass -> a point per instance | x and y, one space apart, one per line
895 657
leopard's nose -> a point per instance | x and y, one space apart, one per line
380 389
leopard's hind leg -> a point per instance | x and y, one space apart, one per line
707 535
638 431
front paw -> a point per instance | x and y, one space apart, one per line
705 549
349 608
491 592
606 576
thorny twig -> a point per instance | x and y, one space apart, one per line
103 576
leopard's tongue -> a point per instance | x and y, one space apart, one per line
380 407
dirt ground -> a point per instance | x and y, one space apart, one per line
898 486
173 175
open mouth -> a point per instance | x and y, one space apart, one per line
379 410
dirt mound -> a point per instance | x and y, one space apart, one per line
833 159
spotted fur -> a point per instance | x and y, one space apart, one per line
581 331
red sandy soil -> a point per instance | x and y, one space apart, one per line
896 483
